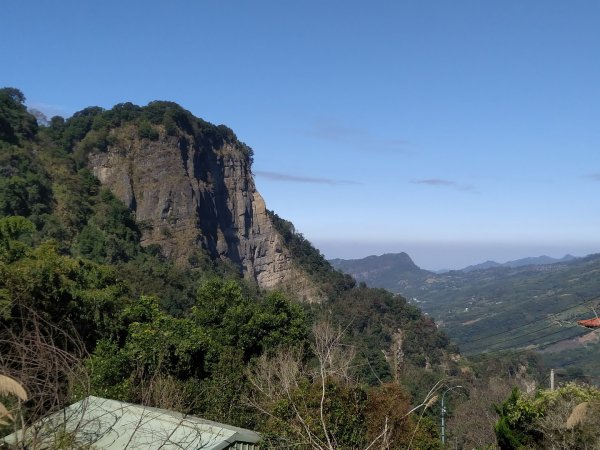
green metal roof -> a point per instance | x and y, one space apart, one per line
108 424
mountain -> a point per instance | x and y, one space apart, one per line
530 261
482 266
388 262
189 185
168 200
192 188
390 271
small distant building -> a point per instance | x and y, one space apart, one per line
103 424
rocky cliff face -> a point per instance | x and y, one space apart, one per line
190 192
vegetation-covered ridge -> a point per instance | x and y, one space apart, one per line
93 128
310 259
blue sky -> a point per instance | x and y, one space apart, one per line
456 131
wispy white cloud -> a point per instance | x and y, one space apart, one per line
284 177
358 138
594 176
441 182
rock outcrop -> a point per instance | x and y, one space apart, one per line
190 192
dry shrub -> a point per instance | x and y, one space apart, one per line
10 386
569 423
577 415
388 406
165 392
473 420
46 360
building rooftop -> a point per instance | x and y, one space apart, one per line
101 423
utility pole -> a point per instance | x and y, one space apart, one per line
444 413
551 379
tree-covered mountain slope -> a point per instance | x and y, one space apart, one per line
391 271
113 284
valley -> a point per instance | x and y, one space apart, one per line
501 308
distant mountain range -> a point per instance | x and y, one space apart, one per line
377 269
530 261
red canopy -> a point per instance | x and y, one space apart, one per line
590 323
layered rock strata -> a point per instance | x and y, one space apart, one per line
188 194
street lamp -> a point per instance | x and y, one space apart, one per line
444 411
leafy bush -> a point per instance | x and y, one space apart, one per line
147 131
16 124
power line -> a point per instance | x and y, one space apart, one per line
532 322
552 334
563 329
490 354
517 337
535 320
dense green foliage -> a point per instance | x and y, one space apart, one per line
374 317
93 127
134 342
16 124
24 185
222 333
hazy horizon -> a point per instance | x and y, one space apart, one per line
436 256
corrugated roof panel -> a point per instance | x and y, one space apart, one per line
109 424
